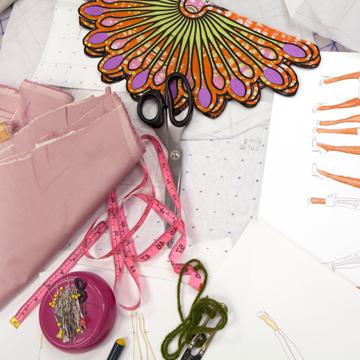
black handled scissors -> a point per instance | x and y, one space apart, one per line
167 126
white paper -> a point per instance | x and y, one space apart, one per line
4 18
63 62
317 312
337 20
263 272
24 40
328 232
24 342
271 274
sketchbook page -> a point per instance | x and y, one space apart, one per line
337 20
282 303
328 231
24 40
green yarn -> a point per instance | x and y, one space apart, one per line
191 325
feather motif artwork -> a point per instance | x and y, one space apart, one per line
223 55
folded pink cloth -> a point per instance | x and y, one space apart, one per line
9 103
49 188
37 99
19 107
55 123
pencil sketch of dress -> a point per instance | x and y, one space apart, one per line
289 348
334 200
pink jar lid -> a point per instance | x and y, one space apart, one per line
100 315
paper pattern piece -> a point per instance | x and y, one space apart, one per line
332 19
63 61
4 18
305 301
26 34
315 193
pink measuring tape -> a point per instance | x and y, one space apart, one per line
123 248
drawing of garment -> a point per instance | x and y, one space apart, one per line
347 262
351 181
335 200
350 119
331 80
346 131
289 347
355 150
138 321
343 105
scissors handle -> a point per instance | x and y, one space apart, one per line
169 99
158 120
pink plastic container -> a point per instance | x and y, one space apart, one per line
100 313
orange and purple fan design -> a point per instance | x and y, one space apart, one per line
223 55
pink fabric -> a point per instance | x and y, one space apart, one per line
56 123
36 99
48 190
9 103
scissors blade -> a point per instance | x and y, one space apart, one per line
163 134
175 164
175 160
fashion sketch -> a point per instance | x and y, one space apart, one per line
289 348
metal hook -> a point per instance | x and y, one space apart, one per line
199 344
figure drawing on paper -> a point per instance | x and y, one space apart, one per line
290 349
354 102
350 119
334 200
345 131
351 181
321 147
333 79
345 263
322 127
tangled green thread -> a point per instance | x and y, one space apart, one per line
191 325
